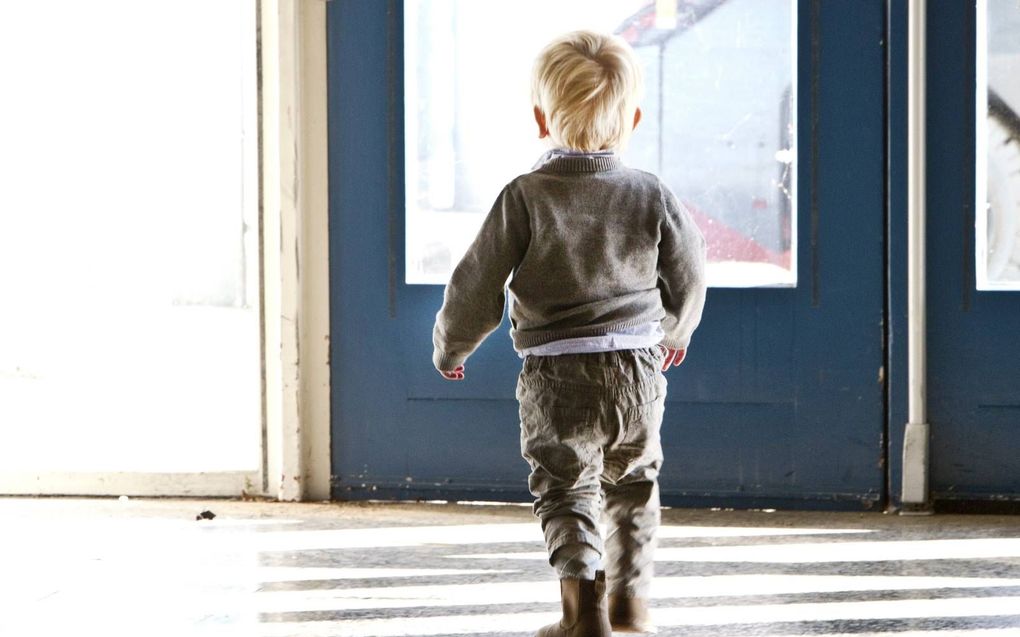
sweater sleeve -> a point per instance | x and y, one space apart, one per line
681 272
474 300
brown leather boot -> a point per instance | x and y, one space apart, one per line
584 609
629 615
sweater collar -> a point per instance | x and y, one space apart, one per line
560 160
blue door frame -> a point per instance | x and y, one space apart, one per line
783 401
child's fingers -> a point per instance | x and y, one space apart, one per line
672 357
456 374
667 359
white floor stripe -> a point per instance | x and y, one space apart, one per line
851 551
484 594
297 574
959 632
680 532
664 617
466 534
818 552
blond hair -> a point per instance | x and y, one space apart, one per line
587 84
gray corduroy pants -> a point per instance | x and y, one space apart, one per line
590 432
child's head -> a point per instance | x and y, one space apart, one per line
585 87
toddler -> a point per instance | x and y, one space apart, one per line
606 280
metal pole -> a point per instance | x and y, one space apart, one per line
915 445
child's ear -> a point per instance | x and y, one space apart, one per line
543 132
637 116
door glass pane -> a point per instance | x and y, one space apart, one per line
718 119
997 233
128 236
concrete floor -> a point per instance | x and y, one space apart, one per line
148 567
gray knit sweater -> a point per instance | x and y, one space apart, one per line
589 246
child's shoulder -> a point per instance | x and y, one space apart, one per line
540 178
649 178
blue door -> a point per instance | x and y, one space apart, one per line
781 400
973 333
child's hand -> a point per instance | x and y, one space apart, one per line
457 374
672 357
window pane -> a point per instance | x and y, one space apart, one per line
718 123
128 228
998 153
